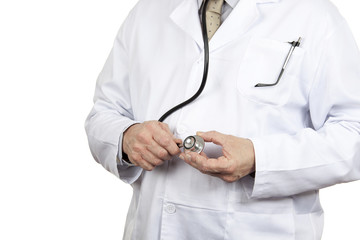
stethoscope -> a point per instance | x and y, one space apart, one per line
195 143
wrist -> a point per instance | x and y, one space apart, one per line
126 133
124 150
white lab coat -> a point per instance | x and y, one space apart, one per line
305 130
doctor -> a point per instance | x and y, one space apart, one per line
297 136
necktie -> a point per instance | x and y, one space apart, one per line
213 19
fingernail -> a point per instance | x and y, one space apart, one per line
199 133
188 157
182 157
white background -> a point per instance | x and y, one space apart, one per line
50 188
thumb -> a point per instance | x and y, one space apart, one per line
213 136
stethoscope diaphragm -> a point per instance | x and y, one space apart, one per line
194 144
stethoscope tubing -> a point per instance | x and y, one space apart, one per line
206 65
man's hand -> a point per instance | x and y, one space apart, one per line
238 158
149 144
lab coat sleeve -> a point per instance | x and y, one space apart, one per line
327 153
112 114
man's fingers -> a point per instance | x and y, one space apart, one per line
213 136
146 165
178 141
165 140
219 165
149 144
227 178
138 160
207 165
158 151
165 127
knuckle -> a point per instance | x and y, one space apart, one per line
148 126
205 169
231 169
174 150
153 124
161 124
158 162
212 132
196 160
164 126
163 153
137 148
142 136
165 141
227 179
134 157
231 179
149 168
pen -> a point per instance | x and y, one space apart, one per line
293 46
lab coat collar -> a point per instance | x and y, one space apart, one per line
242 17
232 3
186 17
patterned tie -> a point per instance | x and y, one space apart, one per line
213 19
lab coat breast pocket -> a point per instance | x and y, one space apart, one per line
262 63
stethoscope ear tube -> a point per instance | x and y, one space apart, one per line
206 65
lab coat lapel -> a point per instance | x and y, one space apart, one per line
186 16
240 20
242 17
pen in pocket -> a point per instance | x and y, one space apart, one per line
293 46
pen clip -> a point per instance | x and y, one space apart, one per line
297 43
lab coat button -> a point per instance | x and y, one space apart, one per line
170 208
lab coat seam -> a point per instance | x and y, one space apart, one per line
250 99
227 213
312 225
90 133
136 213
293 225
122 45
308 213
168 200
128 23
113 109
300 169
102 141
165 200
316 77
260 185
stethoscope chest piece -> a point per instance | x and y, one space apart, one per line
194 144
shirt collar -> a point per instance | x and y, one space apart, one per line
233 3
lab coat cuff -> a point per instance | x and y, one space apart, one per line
257 187
128 173
119 159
